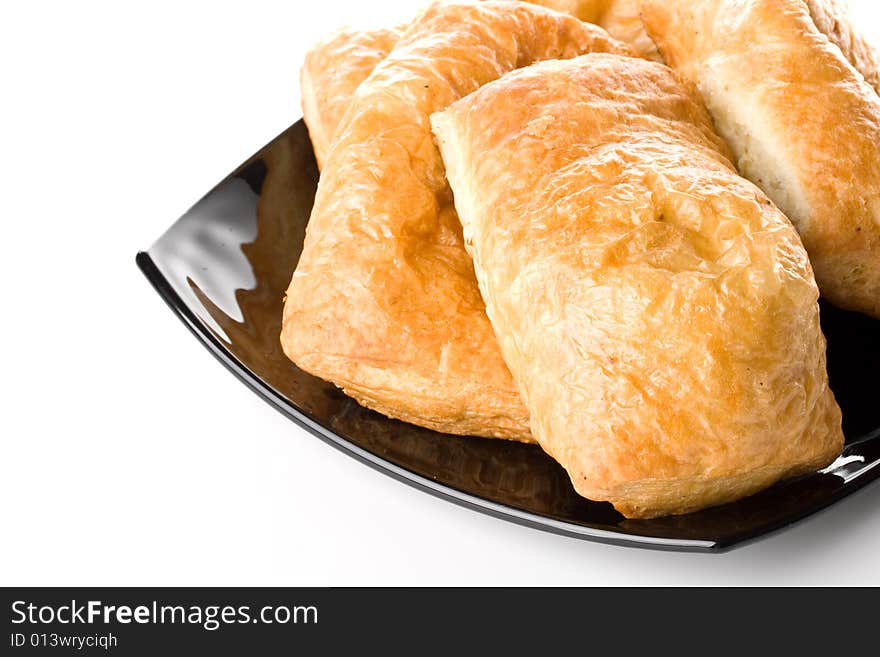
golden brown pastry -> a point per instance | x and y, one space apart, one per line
383 301
803 123
331 73
334 67
620 18
833 20
656 310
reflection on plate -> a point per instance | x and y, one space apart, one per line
224 267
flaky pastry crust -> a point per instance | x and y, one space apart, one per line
803 122
620 18
657 311
332 71
336 65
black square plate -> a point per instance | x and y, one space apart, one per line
224 267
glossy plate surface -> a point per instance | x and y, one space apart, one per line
224 267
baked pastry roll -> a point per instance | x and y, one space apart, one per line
383 301
657 311
331 73
803 123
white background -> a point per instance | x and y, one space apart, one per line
130 456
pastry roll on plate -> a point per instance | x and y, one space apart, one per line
780 79
657 311
383 301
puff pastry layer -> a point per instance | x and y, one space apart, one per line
658 312
331 73
620 18
803 123
833 20
383 301
335 66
